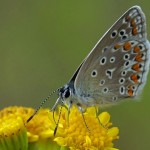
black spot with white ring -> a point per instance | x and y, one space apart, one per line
122 90
141 46
133 87
94 73
113 34
112 59
124 37
121 80
103 61
127 63
122 32
126 56
105 90
123 73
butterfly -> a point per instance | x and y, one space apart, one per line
116 68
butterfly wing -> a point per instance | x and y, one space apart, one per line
118 65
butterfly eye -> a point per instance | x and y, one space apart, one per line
66 93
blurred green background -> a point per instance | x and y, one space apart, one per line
43 42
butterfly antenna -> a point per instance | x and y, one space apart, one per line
41 105
58 121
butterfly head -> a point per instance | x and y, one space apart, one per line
65 92
65 96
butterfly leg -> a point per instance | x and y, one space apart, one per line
82 110
97 110
69 107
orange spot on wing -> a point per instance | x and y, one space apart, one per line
133 23
134 78
136 49
130 92
138 58
117 46
127 46
136 67
135 31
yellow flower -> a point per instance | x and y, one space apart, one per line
77 137
37 128
72 135
13 134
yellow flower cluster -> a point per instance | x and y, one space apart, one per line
13 134
76 135
72 134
